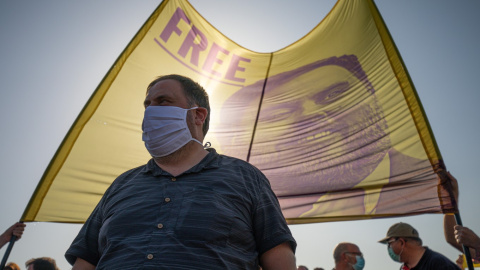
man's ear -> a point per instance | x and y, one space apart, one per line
200 115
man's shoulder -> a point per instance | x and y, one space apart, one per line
225 160
236 168
435 254
130 174
435 260
136 169
236 163
230 159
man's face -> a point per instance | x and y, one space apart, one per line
397 244
166 93
169 93
322 127
352 252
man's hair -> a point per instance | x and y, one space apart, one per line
43 263
193 91
339 250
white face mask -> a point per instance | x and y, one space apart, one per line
165 129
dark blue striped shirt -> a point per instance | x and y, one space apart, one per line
220 214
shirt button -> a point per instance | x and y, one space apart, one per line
149 256
167 199
160 225
174 179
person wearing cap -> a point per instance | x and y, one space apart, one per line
347 257
405 246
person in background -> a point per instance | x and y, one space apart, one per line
43 263
302 267
188 207
404 245
318 268
348 256
457 235
16 229
11 266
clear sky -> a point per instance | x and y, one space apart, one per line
53 54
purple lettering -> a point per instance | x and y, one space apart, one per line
212 59
189 42
172 24
233 68
217 62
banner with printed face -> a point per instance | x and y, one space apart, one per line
332 120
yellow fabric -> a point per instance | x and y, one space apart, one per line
465 265
333 120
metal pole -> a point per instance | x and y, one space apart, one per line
7 252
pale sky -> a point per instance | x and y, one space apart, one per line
54 53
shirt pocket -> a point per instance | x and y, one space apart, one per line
205 218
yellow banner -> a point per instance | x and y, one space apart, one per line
333 120
474 262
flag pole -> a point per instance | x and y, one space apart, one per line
7 252
466 250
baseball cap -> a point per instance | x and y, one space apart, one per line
400 230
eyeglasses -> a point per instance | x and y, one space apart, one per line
391 241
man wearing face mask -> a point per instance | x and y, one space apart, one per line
405 246
188 207
347 256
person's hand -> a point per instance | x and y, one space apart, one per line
16 229
466 237
459 261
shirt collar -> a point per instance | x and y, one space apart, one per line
210 161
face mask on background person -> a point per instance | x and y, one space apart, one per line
165 129
360 263
394 256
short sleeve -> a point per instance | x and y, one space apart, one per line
85 245
270 227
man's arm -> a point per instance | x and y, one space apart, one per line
280 257
16 229
81 264
449 219
448 229
457 235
